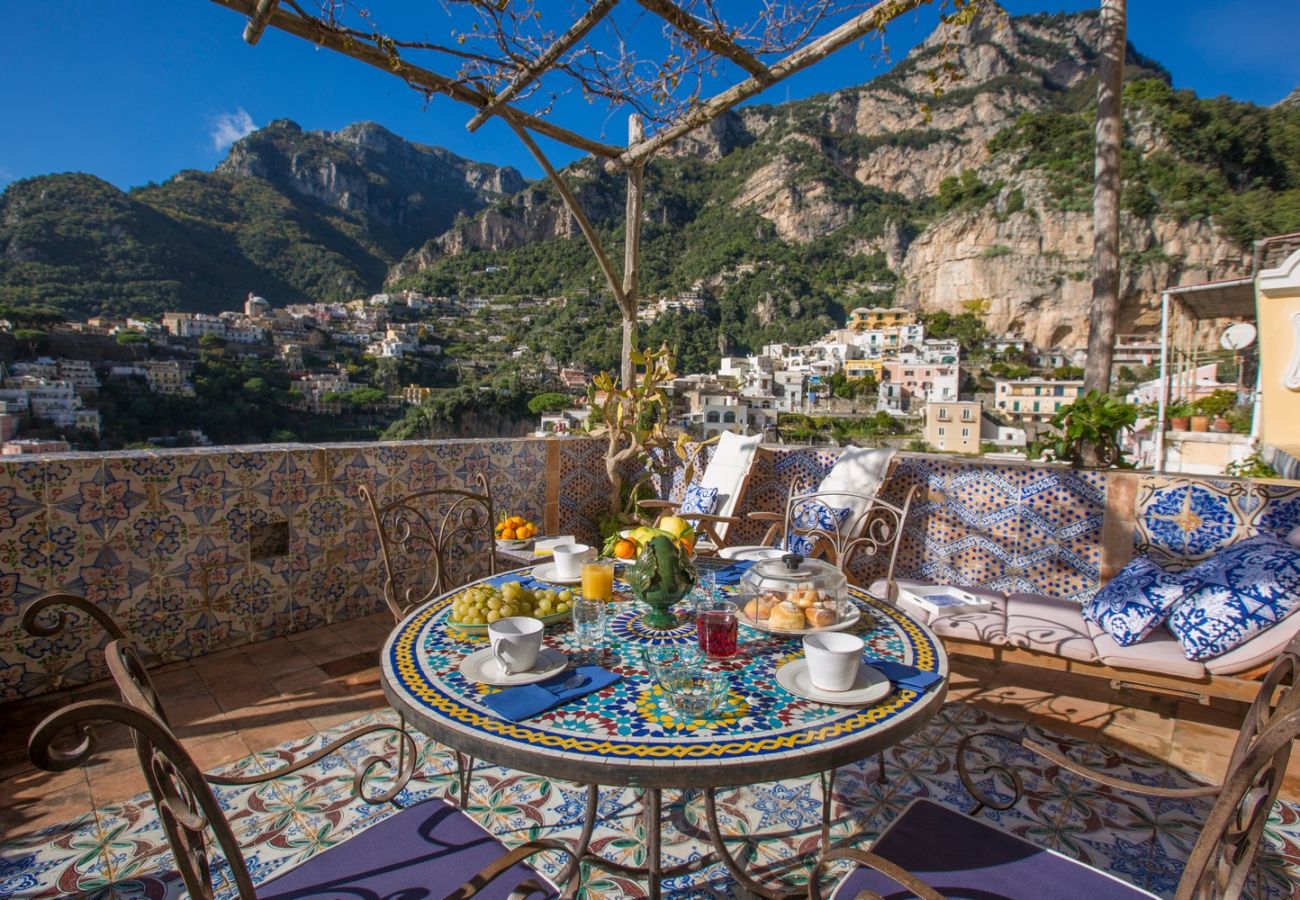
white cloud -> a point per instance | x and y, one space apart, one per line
230 127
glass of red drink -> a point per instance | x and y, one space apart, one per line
717 626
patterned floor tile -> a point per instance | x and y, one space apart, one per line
281 824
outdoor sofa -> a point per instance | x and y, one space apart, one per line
1052 632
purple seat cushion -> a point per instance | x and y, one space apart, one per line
427 851
963 857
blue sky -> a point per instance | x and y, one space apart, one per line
136 90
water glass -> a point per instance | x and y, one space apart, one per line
589 618
706 588
717 628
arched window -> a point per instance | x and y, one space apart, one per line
711 417
729 417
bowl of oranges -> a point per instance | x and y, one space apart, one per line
515 532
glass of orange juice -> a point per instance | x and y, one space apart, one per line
598 580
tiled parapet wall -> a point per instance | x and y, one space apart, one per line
1001 526
161 540
1005 526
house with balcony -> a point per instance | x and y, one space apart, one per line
1035 399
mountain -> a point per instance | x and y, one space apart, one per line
976 198
294 215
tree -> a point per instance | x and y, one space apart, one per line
212 342
1106 198
549 402
34 339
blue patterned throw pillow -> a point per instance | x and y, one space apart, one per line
699 500
1136 600
814 516
1241 591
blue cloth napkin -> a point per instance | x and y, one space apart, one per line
525 701
903 675
730 575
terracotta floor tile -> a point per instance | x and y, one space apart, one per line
180 684
1083 712
329 652
264 737
301 680
349 665
213 753
1137 739
115 787
1207 738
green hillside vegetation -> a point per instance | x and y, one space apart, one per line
1235 162
202 240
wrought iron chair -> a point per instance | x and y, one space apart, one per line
407 533
430 843
870 526
975 854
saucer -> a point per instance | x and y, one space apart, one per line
482 667
546 572
868 687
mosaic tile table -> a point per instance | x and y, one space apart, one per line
628 735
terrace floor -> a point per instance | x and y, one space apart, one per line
288 691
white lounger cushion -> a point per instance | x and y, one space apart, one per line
726 471
857 471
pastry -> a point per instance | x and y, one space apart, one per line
820 616
759 608
786 615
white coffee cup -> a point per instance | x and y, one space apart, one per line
516 641
833 659
569 559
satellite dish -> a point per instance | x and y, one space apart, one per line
1238 337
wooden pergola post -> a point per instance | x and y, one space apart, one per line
632 253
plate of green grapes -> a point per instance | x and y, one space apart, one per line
479 605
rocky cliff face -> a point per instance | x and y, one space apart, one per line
1030 272
409 188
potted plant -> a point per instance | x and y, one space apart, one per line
1179 414
1215 408
1088 430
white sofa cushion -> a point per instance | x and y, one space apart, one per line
1158 652
1049 625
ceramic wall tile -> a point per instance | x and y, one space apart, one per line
1181 521
160 539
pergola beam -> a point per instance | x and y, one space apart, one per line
796 61
709 38
314 31
576 32
257 21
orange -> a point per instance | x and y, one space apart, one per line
507 534
625 549
688 541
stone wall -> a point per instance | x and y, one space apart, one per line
171 542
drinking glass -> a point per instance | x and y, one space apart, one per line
706 588
598 580
589 618
717 627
